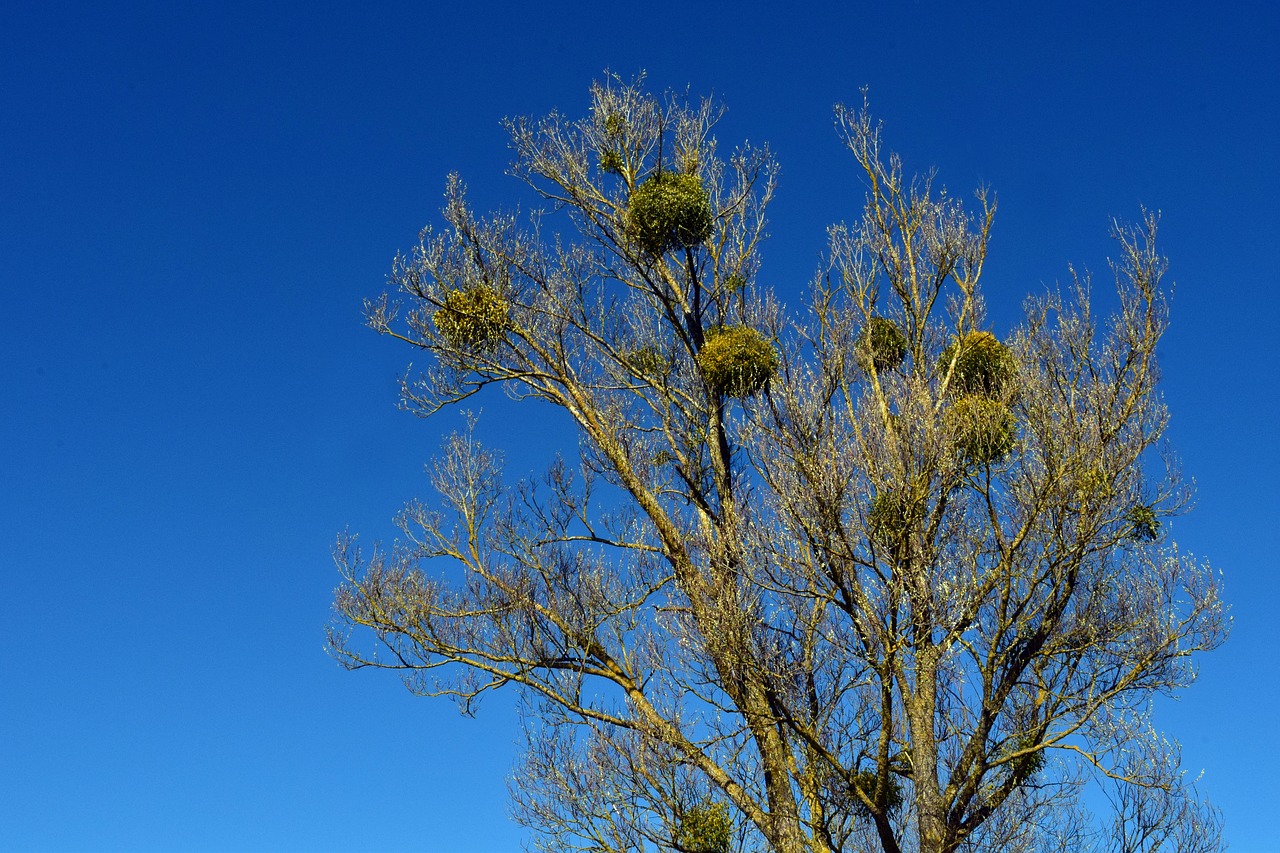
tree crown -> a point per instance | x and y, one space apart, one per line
862 576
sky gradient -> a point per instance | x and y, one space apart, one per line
196 199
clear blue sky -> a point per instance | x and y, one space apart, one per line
195 199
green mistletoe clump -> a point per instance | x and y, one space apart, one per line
1143 524
985 429
869 782
881 344
737 361
892 515
648 362
982 372
982 365
670 210
474 319
705 829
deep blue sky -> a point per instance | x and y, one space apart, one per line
195 200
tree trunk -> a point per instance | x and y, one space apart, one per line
921 707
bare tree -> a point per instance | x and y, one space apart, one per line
860 577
